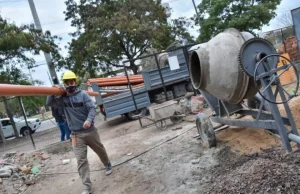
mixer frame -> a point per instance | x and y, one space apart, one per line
271 120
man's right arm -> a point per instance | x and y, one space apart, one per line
54 100
51 101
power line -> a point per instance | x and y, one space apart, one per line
62 33
13 1
54 22
171 1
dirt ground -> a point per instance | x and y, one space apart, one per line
172 161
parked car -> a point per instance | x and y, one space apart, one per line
23 130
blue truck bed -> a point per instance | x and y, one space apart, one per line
123 103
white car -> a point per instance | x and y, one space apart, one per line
8 131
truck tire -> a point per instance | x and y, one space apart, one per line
175 119
26 131
253 103
134 115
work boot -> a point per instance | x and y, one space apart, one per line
108 169
86 192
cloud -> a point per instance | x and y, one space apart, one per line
284 7
186 9
51 18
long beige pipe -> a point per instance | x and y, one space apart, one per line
20 90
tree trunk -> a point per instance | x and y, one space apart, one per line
10 116
133 67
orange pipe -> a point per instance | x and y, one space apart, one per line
114 78
120 80
119 77
118 83
109 80
108 94
102 84
133 86
113 93
21 90
138 85
122 76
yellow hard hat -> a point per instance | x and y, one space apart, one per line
69 75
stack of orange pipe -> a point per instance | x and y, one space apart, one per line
113 93
138 85
116 81
108 94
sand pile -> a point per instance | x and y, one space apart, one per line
295 108
247 140
250 140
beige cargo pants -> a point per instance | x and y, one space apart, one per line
79 144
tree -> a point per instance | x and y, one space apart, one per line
17 41
284 20
31 103
110 31
244 15
15 44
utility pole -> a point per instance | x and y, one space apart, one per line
39 27
197 13
51 81
195 8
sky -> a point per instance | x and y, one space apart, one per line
52 18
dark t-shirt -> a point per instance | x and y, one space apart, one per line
58 114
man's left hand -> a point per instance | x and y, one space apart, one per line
86 124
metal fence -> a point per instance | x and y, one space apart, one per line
285 41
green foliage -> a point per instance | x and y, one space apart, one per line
244 15
30 103
15 44
109 31
16 41
13 75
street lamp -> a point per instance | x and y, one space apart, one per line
30 75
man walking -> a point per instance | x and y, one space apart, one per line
80 112
58 114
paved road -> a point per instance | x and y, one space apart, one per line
48 124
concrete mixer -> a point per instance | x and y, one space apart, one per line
232 67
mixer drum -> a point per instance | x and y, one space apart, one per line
215 67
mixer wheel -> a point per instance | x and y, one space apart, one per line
206 130
273 77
